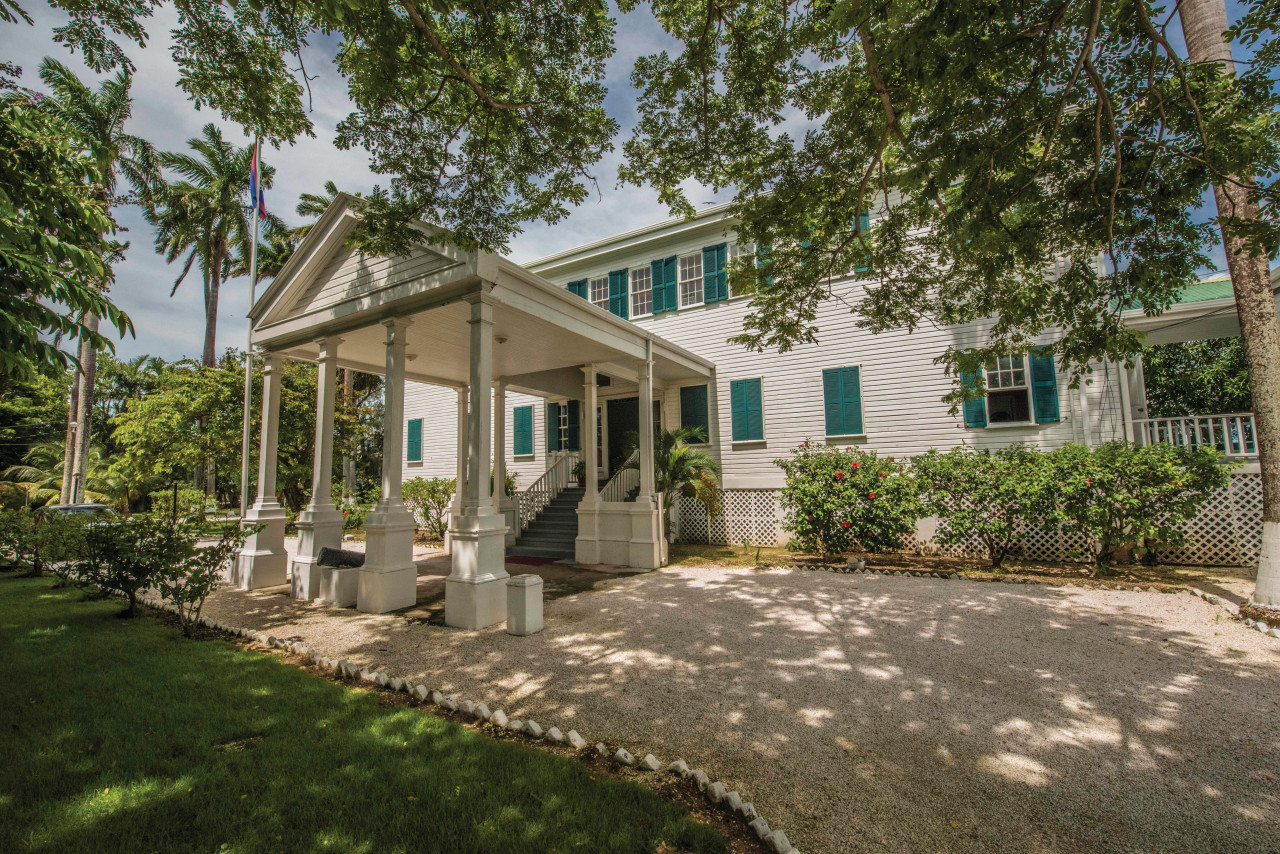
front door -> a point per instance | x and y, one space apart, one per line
624 424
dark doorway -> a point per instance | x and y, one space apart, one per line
624 419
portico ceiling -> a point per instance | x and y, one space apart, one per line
542 333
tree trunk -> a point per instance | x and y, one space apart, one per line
348 461
69 444
1204 23
84 411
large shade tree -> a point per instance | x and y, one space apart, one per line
1040 164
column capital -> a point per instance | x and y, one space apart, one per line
271 360
328 341
396 325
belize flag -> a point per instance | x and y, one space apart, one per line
255 184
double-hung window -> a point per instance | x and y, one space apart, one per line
641 291
842 401
690 279
1020 390
743 251
599 290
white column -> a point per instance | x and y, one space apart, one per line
590 450
389 579
263 562
502 503
1084 414
320 525
1126 402
460 476
645 369
475 592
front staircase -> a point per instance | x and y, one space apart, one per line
553 532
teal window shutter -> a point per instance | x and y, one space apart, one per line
553 426
693 409
575 434
842 397
748 413
579 288
715 278
413 443
659 292
522 431
618 293
1044 388
669 284
975 411
864 226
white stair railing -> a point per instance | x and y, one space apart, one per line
1232 435
545 489
624 480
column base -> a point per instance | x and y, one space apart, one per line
474 603
318 527
646 547
262 562
475 592
508 512
339 586
383 590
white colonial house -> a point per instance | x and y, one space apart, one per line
496 368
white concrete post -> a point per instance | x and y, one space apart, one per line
1126 403
320 525
502 502
646 546
460 475
389 579
475 592
263 562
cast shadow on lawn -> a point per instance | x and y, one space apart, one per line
125 737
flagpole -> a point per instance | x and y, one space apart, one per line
248 348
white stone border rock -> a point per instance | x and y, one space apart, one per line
1233 610
715 791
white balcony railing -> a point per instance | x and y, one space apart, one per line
624 480
544 490
1232 435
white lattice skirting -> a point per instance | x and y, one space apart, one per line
1227 531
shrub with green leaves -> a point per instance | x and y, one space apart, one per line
19 544
126 556
429 500
1122 495
838 499
987 496
189 583
191 504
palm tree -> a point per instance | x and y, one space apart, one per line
41 483
680 467
98 119
273 254
205 216
314 205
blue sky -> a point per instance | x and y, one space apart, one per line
173 327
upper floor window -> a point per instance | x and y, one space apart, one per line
599 290
744 251
690 279
641 291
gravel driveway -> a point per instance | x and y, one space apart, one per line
886 714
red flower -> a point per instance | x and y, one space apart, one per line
855 465
839 475
1088 481
844 524
810 518
872 495
890 459
882 474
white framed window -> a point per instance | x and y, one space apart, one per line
1008 392
737 251
690 279
599 292
564 425
641 291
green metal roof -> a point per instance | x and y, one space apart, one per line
1216 288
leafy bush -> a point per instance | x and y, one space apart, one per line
989 496
1121 495
127 556
191 504
429 500
835 499
190 582
18 542
39 543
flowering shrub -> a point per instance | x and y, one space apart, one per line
836 500
989 496
1122 495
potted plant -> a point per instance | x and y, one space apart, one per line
580 472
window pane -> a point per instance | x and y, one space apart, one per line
600 291
641 291
691 279
1007 406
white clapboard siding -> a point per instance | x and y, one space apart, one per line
437 406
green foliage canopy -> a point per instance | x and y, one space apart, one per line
1197 378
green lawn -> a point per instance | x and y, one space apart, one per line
120 735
